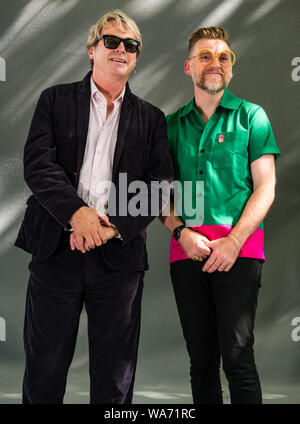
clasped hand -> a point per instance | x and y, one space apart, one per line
91 229
221 253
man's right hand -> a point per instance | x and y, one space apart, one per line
110 232
193 244
85 222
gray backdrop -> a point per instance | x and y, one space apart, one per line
42 43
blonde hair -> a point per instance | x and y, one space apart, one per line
208 33
122 20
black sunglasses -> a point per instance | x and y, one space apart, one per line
112 42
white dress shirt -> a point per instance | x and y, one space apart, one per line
99 151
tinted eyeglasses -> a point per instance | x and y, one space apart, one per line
112 42
205 56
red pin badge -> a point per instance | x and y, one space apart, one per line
221 138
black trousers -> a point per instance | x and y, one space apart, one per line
57 289
217 313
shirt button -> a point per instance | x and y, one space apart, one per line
200 172
202 150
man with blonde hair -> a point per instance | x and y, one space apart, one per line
85 249
225 146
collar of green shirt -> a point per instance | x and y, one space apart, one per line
228 101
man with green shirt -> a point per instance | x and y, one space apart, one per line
225 147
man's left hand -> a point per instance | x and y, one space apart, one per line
109 232
223 256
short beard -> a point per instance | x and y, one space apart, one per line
212 87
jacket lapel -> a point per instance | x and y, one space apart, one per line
125 118
83 98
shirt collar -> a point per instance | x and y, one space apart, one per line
228 101
188 108
94 90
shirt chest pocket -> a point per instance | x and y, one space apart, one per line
230 150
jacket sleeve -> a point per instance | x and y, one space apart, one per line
159 170
45 177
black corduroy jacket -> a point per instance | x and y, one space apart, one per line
53 157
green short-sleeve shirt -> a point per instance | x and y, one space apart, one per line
219 155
